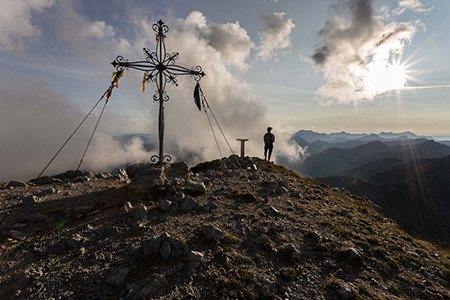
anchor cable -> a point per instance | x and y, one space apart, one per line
204 101
92 135
212 129
76 129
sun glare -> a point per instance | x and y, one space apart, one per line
383 77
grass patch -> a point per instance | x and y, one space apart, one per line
287 274
334 283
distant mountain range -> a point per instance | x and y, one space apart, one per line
406 174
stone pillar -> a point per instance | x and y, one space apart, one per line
242 146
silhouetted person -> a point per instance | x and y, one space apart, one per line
268 139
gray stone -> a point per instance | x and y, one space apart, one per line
140 212
171 190
272 185
17 235
126 208
195 187
212 205
36 218
210 173
193 265
164 205
329 264
195 256
284 183
211 232
178 169
117 277
281 191
177 197
16 183
262 240
345 292
29 200
206 208
290 248
316 236
175 269
174 207
278 228
345 213
353 253
189 204
165 250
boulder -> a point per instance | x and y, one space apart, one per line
211 232
36 218
195 187
140 212
117 277
164 205
29 200
165 250
189 204
195 256
178 169
17 235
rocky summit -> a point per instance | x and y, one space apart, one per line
234 228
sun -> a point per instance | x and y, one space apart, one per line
384 76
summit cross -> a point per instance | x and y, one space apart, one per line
159 67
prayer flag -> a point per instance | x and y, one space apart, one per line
143 84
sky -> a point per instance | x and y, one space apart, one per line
328 66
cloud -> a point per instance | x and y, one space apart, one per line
230 40
36 121
15 22
414 5
274 35
355 51
96 41
239 112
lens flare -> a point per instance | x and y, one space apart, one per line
383 77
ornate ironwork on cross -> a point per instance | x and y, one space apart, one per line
159 67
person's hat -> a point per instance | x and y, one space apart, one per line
269 128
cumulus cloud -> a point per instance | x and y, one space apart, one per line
230 40
15 22
355 51
275 34
414 5
241 115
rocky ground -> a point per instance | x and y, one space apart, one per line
227 229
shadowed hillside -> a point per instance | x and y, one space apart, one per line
226 229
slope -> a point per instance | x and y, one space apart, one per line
227 229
